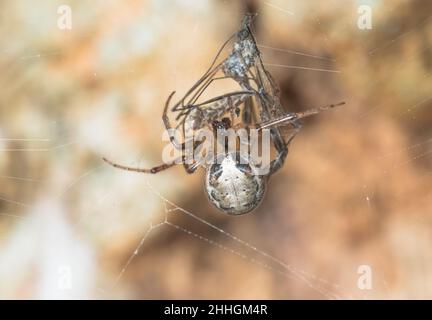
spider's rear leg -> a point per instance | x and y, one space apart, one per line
189 168
153 170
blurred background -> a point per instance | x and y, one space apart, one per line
353 200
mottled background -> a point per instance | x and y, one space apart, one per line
355 189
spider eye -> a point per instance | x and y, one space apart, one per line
232 188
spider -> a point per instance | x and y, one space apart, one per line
232 184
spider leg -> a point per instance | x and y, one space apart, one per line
190 168
219 52
211 71
175 143
168 127
227 95
201 90
278 162
208 75
267 103
291 118
222 104
153 170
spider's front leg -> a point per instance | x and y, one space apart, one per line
168 127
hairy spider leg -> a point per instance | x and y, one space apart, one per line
153 170
175 143
168 127
180 105
224 107
211 71
245 23
268 102
189 168
207 78
293 117
226 95
202 84
280 144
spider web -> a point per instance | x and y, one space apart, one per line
268 261
417 151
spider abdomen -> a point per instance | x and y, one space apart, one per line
233 187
